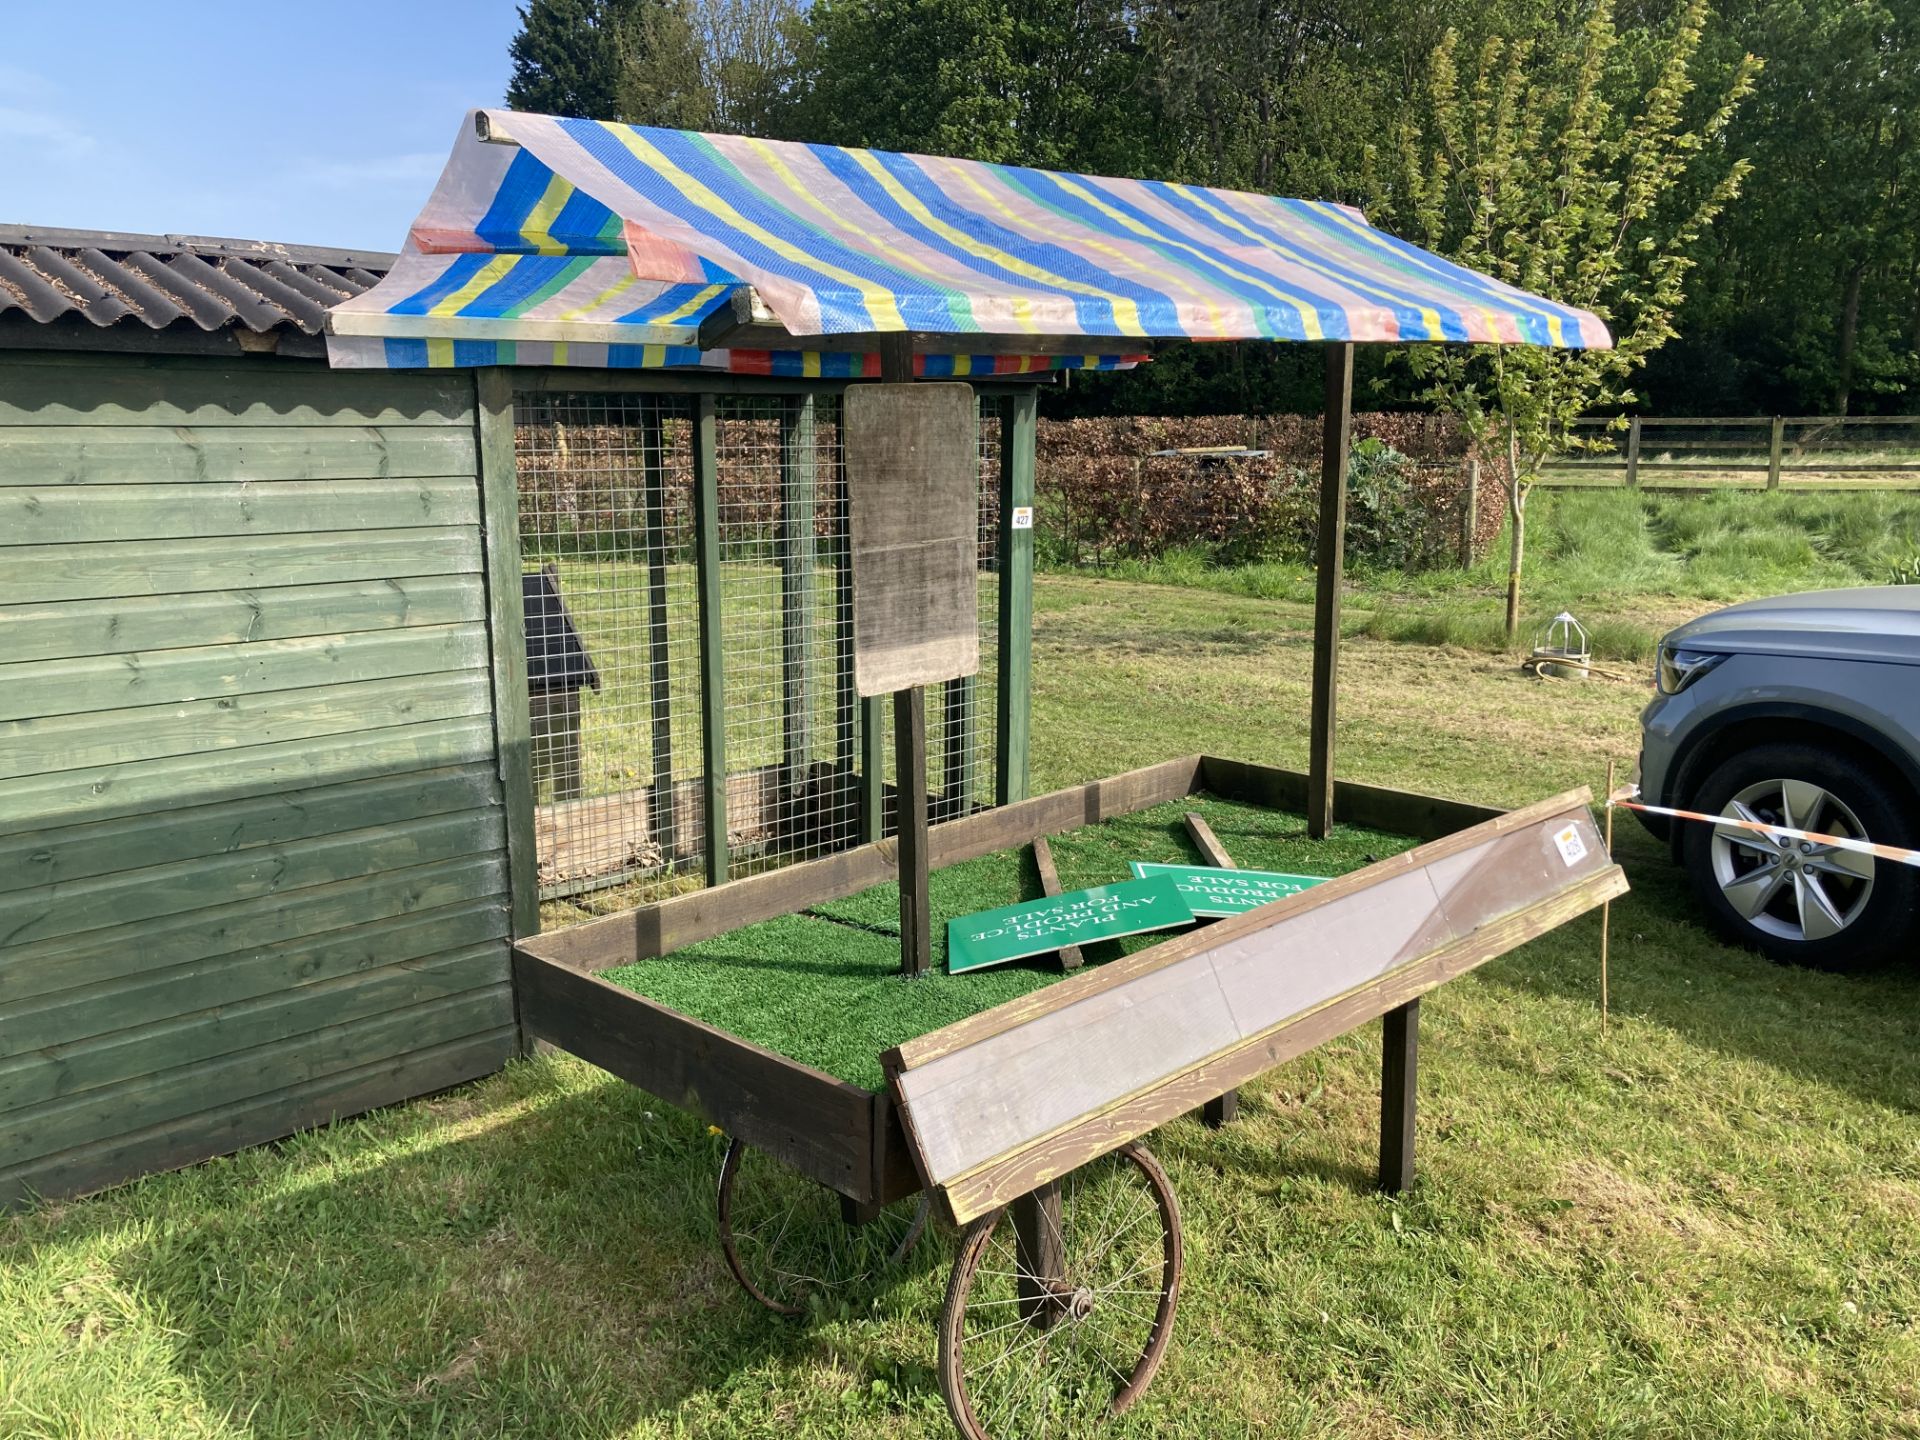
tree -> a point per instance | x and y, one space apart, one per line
1525 170
566 58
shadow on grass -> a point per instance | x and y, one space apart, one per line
1855 1033
557 1272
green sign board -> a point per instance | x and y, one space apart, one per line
1211 891
1034 927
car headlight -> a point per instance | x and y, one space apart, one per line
1679 667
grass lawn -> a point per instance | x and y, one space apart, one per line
1700 1223
1630 564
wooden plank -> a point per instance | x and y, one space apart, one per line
1212 852
61 854
1019 428
36 574
819 1125
1633 452
1775 445
65 1017
147 1045
1402 812
977 1028
127 897
1399 1085
267 922
873 767
913 524
61 514
507 651
89 684
713 673
562 380
249 394
997 1185
72 628
910 765
659 929
1329 562
1220 1110
798 545
255 1121
653 483
143 787
191 1089
166 455
1071 957
32 747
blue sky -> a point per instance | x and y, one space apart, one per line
316 122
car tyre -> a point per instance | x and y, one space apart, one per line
1822 907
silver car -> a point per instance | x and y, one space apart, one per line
1801 711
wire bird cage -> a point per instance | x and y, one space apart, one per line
1562 650
611 542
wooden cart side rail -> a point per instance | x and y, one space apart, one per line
1078 987
1400 812
820 1125
1014 1175
660 929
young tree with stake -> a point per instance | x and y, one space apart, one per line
1526 170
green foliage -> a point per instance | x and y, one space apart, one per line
566 58
1906 572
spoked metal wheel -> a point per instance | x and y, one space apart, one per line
1061 1306
1792 889
788 1239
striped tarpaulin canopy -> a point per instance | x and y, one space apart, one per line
641 244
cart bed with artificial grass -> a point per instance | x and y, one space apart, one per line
775 1007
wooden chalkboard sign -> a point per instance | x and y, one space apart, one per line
912 468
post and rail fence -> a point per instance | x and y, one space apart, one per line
1755 452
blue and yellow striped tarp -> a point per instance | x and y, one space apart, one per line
582 232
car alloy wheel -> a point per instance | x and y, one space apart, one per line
1795 890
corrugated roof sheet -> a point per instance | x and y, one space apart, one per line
158 281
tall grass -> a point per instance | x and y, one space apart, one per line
1589 550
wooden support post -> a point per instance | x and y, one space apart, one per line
1633 453
1470 516
1330 560
1018 431
506 618
713 678
956 748
1399 1077
1776 451
910 760
1040 1253
1223 1109
1071 957
873 769
799 547
653 481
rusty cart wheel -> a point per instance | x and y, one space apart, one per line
1061 1305
788 1239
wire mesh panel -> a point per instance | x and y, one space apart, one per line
607 520
606 534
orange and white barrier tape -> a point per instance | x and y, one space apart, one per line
1625 799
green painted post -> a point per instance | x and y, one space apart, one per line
1019 430
500 504
659 658
799 549
713 678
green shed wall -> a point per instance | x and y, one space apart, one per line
252 857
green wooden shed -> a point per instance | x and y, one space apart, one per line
271 803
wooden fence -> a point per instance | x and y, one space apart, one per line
1762 452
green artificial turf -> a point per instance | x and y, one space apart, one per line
824 987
